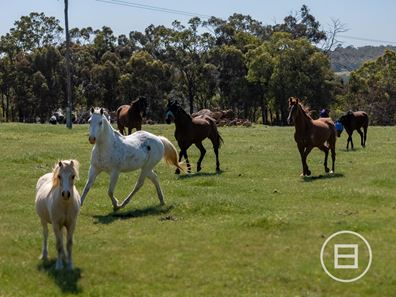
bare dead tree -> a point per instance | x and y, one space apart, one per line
334 30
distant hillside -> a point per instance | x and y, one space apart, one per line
351 58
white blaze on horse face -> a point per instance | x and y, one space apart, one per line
66 177
95 127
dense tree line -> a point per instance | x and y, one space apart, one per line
237 63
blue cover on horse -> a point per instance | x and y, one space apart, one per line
339 126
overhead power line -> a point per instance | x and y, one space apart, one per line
193 14
154 8
367 39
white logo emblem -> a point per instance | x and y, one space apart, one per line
346 245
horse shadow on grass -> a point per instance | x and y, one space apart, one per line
135 213
66 280
199 174
320 176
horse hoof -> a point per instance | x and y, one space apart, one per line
327 170
199 169
331 172
58 265
308 173
177 171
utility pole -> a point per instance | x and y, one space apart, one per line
68 74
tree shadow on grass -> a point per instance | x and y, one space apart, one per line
136 213
66 280
320 176
198 174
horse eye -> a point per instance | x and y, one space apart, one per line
73 176
59 176
100 123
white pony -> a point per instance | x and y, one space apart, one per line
58 203
115 153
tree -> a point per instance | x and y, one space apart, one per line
302 25
147 77
298 69
373 88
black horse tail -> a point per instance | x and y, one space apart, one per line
215 135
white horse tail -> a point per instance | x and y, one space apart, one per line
170 153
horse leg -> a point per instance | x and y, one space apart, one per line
59 245
69 245
216 151
154 179
44 254
203 152
365 135
113 181
350 140
187 162
92 174
138 185
333 157
177 171
306 152
120 128
361 137
325 149
301 150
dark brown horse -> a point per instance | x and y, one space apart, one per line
311 133
131 115
193 131
354 121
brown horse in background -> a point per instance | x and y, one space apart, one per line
311 133
355 121
190 131
131 115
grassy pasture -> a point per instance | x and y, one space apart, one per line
254 230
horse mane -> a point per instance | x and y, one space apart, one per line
185 112
56 170
134 101
306 109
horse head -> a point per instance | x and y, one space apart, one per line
140 104
293 108
96 124
172 110
64 175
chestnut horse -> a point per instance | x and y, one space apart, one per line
311 133
131 115
354 121
190 131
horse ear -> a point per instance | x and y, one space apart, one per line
101 111
92 110
60 164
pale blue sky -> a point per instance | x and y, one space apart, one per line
365 18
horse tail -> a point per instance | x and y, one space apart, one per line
170 153
331 142
218 140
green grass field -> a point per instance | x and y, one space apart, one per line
254 230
